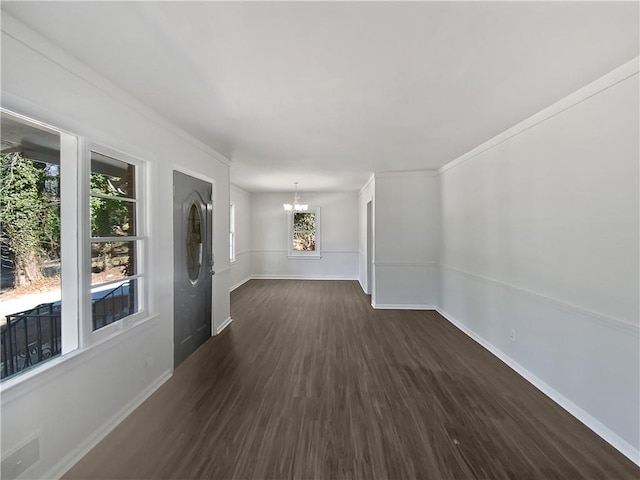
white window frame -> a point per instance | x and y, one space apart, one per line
90 336
232 232
69 293
75 256
296 254
69 201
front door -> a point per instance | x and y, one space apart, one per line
192 264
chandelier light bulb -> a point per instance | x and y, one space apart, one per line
296 206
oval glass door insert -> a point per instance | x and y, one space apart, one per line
194 243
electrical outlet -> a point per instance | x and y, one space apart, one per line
512 335
149 361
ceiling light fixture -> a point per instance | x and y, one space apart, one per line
297 206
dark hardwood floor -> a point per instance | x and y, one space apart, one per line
309 382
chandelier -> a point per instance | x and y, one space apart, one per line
296 207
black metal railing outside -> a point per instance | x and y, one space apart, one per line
29 338
117 304
34 336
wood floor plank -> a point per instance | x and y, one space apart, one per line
310 382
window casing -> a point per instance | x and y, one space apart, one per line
304 234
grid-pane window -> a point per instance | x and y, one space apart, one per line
115 240
303 234
53 282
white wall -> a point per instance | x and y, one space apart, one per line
541 236
76 399
407 236
339 230
241 268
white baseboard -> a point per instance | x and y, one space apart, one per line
362 286
260 276
224 325
394 306
239 284
592 423
63 466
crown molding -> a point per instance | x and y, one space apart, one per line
31 39
407 173
612 78
364 187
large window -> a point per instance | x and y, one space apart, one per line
31 265
304 234
72 243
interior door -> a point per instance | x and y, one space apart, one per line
192 264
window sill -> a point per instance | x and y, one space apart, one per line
304 257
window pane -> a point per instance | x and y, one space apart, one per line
112 177
113 302
304 231
194 243
112 218
112 261
30 310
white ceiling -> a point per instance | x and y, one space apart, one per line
327 93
